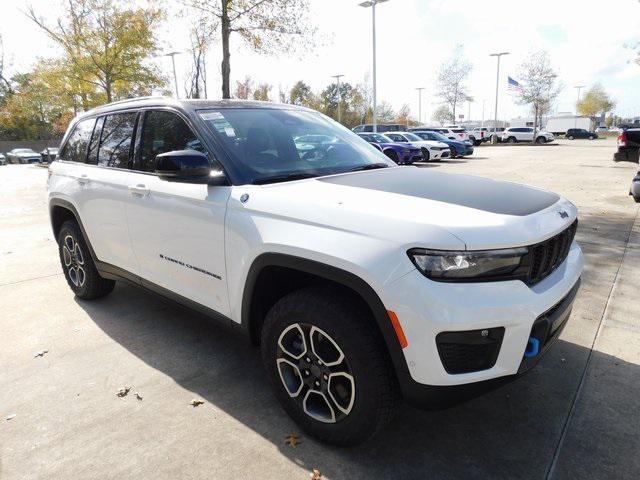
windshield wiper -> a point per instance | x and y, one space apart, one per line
371 166
283 178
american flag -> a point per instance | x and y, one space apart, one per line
514 86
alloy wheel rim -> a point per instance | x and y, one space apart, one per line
73 259
315 372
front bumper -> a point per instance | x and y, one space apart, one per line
426 308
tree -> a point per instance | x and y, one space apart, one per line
262 93
451 80
5 84
106 43
595 101
301 94
200 36
265 26
442 114
404 116
385 112
541 85
244 88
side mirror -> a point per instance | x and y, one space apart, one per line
187 166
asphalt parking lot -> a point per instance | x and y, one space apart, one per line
576 415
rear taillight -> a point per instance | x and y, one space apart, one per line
622 139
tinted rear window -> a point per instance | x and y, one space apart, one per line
75 150
116 140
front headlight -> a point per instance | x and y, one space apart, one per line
478 265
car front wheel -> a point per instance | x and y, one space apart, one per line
328 365
512 140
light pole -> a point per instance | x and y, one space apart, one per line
337 77
419 89
372 4
497 83
173 62
577 87
484 100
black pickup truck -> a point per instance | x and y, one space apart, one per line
628 144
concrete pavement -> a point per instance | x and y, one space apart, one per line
576 415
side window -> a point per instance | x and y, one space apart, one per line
92 157
164 132
75 150
116 140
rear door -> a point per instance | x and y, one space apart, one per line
177 229
102 185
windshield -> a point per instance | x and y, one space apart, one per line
412 137
265 145
376 137
435 136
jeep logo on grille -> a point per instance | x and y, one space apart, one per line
563 214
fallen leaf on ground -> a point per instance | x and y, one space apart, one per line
195 402
292 439
138 395
10 417
315 474
122 392
41 353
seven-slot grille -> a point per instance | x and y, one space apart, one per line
545 257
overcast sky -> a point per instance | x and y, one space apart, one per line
585 38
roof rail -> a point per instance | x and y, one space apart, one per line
127 100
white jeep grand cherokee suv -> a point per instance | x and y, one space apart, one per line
363 282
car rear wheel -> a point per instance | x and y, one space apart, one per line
512 140
328 365
77 264
570 137
591 137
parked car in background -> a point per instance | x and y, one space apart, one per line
23 155
49 154
430 150
479 135
381 128
459 132
457 148
3 159
496 132
580 133
525 134
601 128
444 131
400 153
628 145
561 124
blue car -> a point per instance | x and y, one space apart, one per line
401 153
458 148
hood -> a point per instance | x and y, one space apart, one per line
27 154
418 207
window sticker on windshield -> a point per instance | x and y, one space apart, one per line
211 116
230 131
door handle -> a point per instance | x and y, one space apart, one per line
83 179
139 189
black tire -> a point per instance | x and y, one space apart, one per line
78 267
570 137
541 140
454 152
374 392
512 140
392 155
426 155
591 137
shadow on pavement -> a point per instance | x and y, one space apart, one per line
510 433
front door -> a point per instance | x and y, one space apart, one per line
177 229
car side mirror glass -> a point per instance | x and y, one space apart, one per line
188 166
